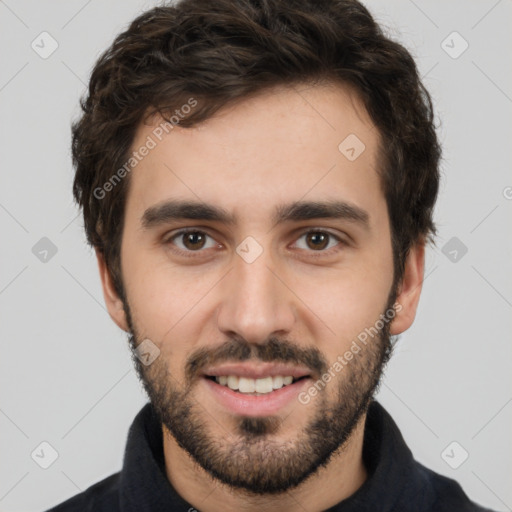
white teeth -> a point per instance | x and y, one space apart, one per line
260 386
246 385
263 385
277 382
232 382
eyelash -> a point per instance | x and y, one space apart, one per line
193 254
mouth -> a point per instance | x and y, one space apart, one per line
255 387
250 390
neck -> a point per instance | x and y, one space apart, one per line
340 478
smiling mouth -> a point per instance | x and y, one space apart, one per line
256 387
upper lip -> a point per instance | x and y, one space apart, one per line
257 371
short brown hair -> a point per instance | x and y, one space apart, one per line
225 50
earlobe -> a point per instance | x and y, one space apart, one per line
112 300
408 297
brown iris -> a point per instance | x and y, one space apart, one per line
319 240
194 240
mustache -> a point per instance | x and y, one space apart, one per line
238 349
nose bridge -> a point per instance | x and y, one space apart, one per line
254 303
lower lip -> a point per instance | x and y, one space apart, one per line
256 405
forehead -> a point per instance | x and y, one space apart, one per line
283 145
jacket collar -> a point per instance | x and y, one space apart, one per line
144 486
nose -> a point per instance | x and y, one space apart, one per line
256 302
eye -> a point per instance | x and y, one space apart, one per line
319 241
191 240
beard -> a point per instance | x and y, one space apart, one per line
251 459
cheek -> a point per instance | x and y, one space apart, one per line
166 303
347 300
347 307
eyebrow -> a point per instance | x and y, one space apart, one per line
297 211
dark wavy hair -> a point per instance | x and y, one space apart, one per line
225 50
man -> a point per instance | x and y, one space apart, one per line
257 178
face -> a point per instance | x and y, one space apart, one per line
254 255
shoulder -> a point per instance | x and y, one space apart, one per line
449 495
103 496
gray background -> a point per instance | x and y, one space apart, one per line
66 374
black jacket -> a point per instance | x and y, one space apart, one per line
396 482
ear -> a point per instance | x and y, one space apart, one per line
112 300
409 289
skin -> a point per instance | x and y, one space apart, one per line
277 147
